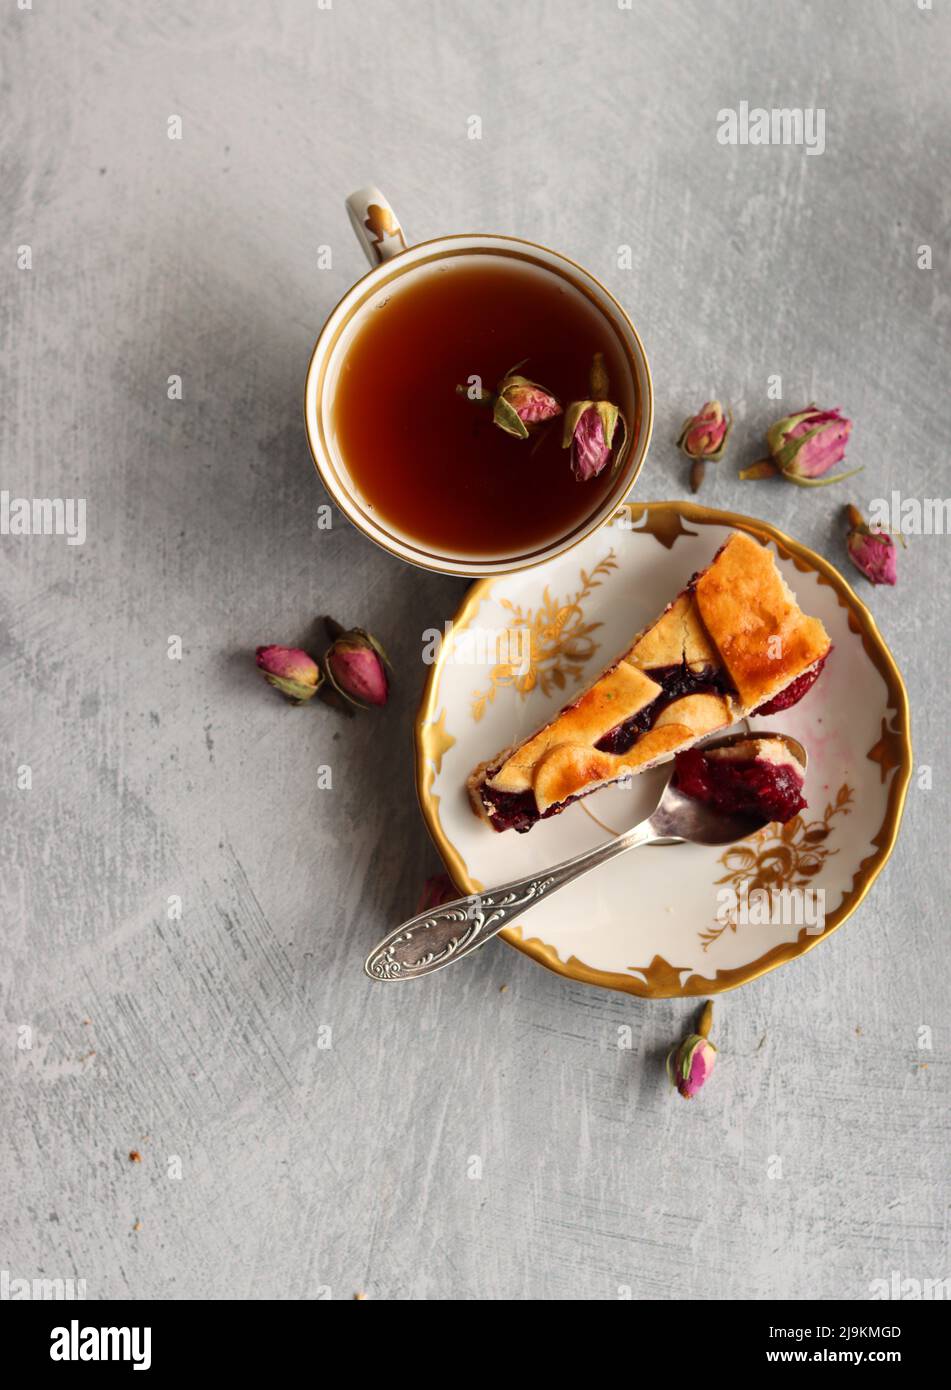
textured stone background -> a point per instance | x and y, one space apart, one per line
306 1168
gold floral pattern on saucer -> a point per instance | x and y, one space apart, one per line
559 638
779 856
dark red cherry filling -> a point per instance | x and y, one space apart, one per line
752 787
519 810
510 810
794 692
676 682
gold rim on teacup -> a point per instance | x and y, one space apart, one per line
384 242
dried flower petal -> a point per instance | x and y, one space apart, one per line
872 551
530 403
690 1063
704 435
517 404
804 447
291 671
594 430
356 665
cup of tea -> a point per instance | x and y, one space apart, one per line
401 410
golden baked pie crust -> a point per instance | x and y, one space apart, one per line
738 616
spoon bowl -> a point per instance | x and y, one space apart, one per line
680 818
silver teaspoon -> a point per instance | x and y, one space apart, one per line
444 934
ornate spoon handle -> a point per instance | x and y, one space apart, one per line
433 939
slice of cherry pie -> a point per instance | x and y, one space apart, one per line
733 643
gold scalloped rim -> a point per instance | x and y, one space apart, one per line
661 980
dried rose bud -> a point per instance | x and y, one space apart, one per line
437 890
517 403
690 1063
874 552
594 429
356 665
291 671
704 435
803 447
520 403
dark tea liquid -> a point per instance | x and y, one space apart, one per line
430 463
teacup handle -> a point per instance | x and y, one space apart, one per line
376 225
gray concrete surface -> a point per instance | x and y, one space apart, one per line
273 1165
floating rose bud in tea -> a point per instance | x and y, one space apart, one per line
703 437
291 671
517 403
690 1063
520 403
356 666
595 429
804 447
872 551
589 430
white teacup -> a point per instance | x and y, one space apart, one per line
383 240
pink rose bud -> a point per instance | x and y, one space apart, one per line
356 665
690 1063
595 429
703 438
704 435
520 403
437 890
517 403
874 552
804 447
291 671
590 449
